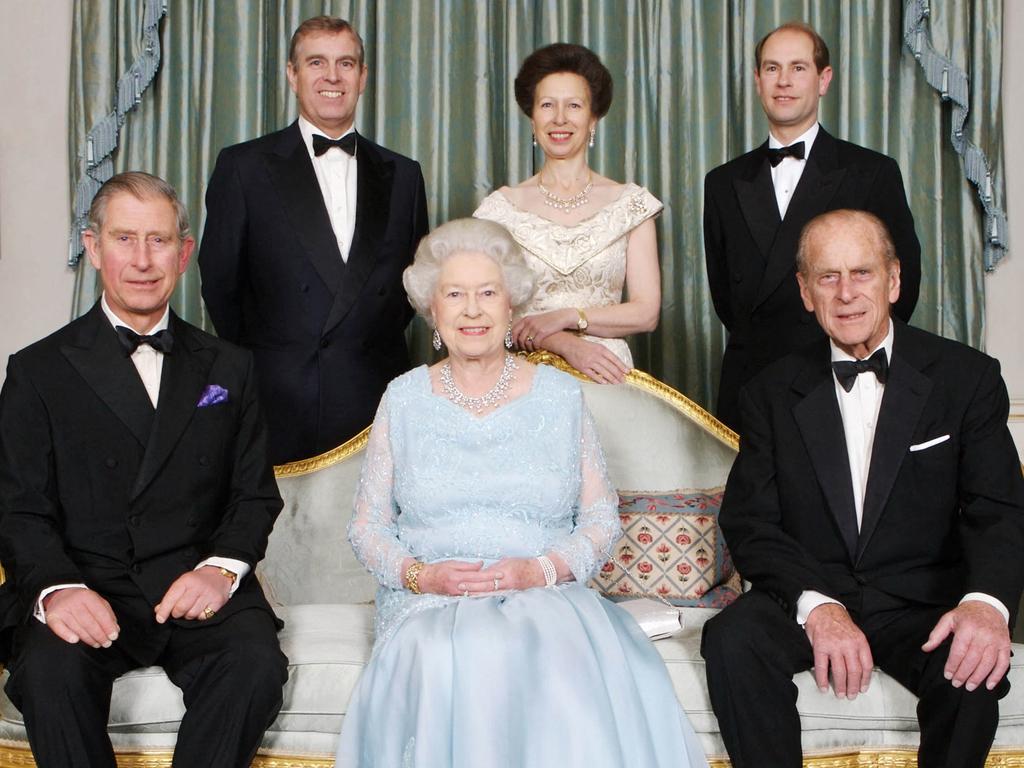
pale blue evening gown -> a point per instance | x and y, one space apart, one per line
553 677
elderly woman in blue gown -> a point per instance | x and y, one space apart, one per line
483 509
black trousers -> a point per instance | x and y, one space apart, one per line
753 649
231 674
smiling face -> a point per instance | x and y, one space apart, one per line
471 308
327 79
849 284
561 117
789 84
139 257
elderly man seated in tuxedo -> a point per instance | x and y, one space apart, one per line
136 497
877 508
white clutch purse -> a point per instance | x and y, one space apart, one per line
658 620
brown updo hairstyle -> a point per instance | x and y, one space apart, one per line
564 57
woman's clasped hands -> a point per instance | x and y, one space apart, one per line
458 577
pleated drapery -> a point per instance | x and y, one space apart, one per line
440 91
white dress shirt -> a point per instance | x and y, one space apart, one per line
786 175
336 173
859 410
149 363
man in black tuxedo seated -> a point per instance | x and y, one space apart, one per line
136 498
877 508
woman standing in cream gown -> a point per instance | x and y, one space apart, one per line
586 237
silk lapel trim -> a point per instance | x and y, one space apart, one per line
756 195
292 175
373 205
110 373
813 195
906 392
184 374
821 426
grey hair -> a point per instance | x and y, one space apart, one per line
868 222
141 186
467 236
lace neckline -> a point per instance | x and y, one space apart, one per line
507 405
627 189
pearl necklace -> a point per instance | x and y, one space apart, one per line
492 398
566 204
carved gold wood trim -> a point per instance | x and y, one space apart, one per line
20 757
645 381
12 756
333 456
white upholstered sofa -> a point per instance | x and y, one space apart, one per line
655 440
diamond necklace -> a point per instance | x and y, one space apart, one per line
566 204
494 397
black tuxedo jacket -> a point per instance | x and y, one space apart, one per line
98 487
327 335
751 252
938 521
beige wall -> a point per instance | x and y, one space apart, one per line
1004 289
36 287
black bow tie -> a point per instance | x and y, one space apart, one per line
848 370
776 156
161 341
346 143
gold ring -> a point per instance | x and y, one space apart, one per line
208 612
530 339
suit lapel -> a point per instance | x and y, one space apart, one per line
906 392
292 174
184 375
373 204
756 195
812 196
821 426
101 360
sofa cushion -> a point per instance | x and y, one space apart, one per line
671 549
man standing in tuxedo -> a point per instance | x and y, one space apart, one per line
877 509
136 497
756 205
307 233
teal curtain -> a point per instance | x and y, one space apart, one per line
440 90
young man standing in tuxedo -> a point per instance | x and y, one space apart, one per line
877 509
136 497
756 205
307 233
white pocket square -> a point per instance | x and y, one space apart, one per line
929 443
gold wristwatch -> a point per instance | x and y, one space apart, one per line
229 575
582 323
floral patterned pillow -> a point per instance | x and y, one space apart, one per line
671 549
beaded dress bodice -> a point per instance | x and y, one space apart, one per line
582 265
440 483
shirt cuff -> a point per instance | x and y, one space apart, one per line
237 567
40 612
994 602
808 601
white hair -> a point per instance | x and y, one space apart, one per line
467 236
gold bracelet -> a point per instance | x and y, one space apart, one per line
412 574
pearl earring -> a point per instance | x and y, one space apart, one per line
593 130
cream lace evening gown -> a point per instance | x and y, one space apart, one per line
583 265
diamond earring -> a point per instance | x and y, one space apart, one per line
508 336
436 341
534 136
593 130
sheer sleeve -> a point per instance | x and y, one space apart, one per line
597 525
373 530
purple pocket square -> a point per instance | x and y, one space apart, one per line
212 394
